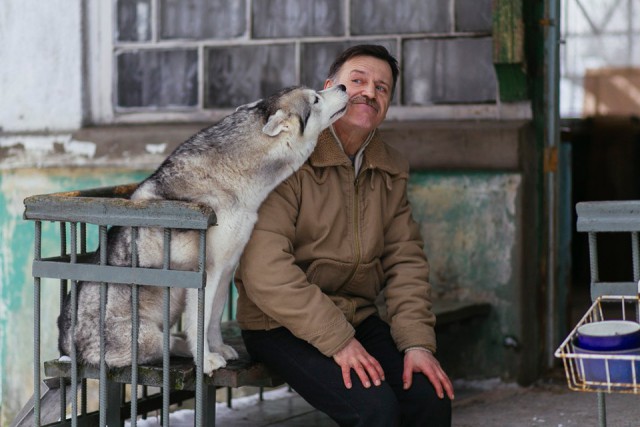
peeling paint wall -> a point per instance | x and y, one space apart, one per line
470 222
16 283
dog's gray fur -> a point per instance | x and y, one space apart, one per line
231 167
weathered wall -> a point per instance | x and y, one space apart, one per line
474 190
16 284
470 223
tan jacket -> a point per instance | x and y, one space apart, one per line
326 243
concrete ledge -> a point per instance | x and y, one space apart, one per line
455 145
465 144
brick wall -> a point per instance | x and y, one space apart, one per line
210 54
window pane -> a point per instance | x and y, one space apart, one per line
134 20
437 71
297 18
473 15
400 16
158 78
202 19
243 74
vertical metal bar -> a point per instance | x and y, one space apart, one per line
200 395
636 256
63 293
552 139
114 399
63 238
83 397
602 410
83 238
103 307
135 324
145 394
36 327
83 387
210 399
74 319
230 316
593 258
635 253
166 332
595 277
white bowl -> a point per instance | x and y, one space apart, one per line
609 335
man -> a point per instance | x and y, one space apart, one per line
328 241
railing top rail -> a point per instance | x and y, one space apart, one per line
608 216
111 206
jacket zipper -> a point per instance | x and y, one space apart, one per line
356 232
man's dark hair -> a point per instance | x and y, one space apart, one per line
376 51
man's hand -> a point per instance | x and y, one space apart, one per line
423 361
354 356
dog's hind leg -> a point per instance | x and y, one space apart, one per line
118 343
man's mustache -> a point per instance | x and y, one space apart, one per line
360 99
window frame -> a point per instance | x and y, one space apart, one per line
101 50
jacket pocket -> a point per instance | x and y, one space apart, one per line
328 274
366 282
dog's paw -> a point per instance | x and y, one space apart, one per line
228 352
212 362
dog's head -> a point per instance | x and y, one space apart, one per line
302 111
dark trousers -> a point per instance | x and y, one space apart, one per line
318 380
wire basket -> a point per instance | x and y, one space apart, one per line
602 371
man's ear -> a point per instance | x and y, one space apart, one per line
327 84
277 123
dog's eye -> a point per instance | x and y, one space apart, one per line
316 100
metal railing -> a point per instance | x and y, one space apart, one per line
602 372
100 209
606 373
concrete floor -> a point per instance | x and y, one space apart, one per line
548 403
489 403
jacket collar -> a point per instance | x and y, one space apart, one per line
327 153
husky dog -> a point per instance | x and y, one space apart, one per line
231 167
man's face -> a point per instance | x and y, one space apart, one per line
369 83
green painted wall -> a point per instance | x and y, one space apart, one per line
16 284
470 222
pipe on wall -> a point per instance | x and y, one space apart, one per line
552 139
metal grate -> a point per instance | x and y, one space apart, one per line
103 208
602 372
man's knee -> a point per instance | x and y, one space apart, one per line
420 404
376 406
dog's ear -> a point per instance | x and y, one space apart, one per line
276 123
249 106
